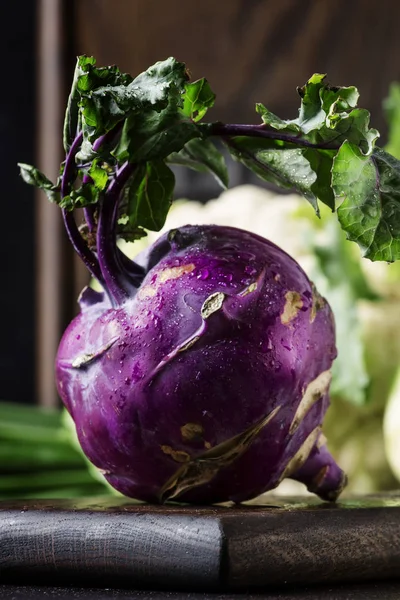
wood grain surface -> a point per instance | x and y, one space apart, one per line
252 50
370 591
119 543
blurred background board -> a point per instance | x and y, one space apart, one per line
252 50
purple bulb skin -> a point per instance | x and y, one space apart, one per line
212 382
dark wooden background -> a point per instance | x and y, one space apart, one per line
250 50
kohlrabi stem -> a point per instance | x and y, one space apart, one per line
70 167
80 247
75 237
115 276
88 211
262 131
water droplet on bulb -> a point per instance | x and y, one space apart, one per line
203 274
250 270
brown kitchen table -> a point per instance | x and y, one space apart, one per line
104 548
370 591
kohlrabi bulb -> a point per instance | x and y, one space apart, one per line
212 381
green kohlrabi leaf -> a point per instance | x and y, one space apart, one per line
311 114
352 126
33 176
321 162
367 191
284 165
268 118
201 155
107 96
83 65
330 114
147 199
299 155
155 136
83 196
98 175
320 101
327 116
197 99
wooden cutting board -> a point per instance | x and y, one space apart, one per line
116 542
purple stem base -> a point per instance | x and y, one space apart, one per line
115 277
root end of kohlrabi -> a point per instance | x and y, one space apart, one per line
321 475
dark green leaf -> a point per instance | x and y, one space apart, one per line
287 167
72 112
92 77
268 118
33 176
341 98
367 191
107 96
198 98
321 162
352 126
148 197
157 84
321 103
85 195
327 116
201 155
155 135
128 232
311 114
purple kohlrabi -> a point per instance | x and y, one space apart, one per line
211 382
